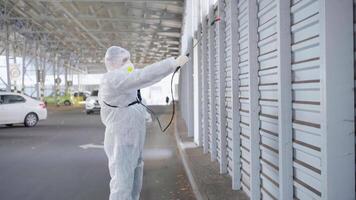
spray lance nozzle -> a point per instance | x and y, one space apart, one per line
218 18
175 71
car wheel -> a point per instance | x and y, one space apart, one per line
31 120
67 103
88 112
9 125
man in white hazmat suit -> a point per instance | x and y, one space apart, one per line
125 120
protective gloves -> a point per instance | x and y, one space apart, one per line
181 60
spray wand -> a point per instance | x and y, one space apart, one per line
173 101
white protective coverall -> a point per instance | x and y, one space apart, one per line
125 126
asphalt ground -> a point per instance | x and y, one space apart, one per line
62 159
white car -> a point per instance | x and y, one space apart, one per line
92 102
20 109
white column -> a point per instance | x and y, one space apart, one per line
190 90
55 65
197 90
188 71
337 100
66 78
284 100
236 151
38 75
197 75
14 51
213 150
222 65
24 54
7 57
44 73
205 85
253 97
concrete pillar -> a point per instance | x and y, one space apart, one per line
337 100
255 180
38 75
205 58
211 57
7 55
66 78
55 66
24 54
43 73
222 66
285 100
14 51
235 103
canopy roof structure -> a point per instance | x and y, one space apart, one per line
81 30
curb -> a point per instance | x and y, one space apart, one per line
183 155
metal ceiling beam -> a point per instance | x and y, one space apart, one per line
76 34
115 1
165 22
93 18
141 40
38 24
75 20
104 32
148 8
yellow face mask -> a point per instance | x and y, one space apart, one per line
128 66
130 69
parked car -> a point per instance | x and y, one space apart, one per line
63 99
80 97
92 102
20 109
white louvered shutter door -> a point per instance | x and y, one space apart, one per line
206 93
217 88
228 86
305 30
268 102
201 84
244 94
355 66
212 89
209 106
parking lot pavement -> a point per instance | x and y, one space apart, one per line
62 158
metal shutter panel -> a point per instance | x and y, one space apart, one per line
305 33
209 106
205 79
268 102
228 86
212 89
355 65
244 94
231 95
201 83
216 75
